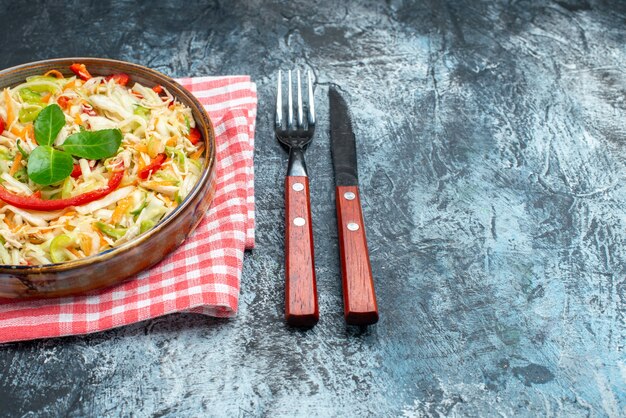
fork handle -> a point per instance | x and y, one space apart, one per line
359 298
301 308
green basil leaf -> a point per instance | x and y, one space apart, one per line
94 145
48 124
47 165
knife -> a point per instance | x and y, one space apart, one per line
359 297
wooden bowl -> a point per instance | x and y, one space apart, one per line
119 263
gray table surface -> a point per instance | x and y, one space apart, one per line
491 148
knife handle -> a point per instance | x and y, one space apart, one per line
301 308
359 297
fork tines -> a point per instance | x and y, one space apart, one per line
310 106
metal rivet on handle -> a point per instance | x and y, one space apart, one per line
298 187
349 195
353 226
299 221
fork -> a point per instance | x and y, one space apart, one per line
301 307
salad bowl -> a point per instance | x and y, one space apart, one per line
124 261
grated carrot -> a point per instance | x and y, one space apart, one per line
16 164
121 208
22 133
167 200
139 161
70 85
172 141
17 131
103 242
29 132
9 104
85 243
8 219
74 251
55 73
198 153
46 98
128 182
141 148
164 183
78 120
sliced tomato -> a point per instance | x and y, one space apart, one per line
158 89
2 125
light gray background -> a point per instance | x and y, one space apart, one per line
491 149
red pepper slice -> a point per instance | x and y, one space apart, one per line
194 136
154 165
2 125
36 203
158 89
81 71
76 172
63 101
120 78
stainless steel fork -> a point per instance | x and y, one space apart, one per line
301 307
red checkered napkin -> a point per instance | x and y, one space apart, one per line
203 274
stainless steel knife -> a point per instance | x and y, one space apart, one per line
358 285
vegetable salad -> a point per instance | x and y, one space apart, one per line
89 162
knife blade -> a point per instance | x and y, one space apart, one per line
359 296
